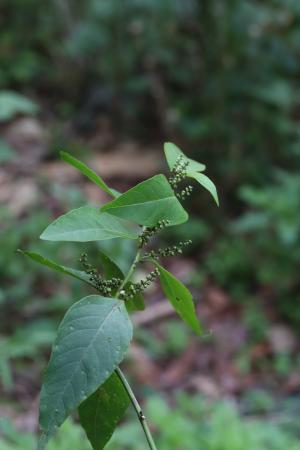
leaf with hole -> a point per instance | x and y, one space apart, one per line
147 203
87 224
91 342
102 411
180 297
89 173
172 153
79 274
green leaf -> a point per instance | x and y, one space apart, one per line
110 268
206 183
101 412
137 303
79 274
180 297
89 173
13 103
149 202
172 153
91 342
87 224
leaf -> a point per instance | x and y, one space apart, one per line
148 202
180 297
137 303
101 412
172 153
110 268
92 340
206 183
86 224
13 103
89 173
79 274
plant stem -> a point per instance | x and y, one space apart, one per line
120 374
130 272
137 408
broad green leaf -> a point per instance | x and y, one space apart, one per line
148 202
91 342
86 224
180 297
206 183
101 412
172 153
79 274
89 173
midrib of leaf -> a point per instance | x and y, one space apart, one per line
85 230
171 197
78 365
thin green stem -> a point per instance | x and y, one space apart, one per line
120 374
137 408
130 272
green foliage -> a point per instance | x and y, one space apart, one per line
180 297
101 412
79 274
96 331
262 247
148 203
86 224
90 343
89 173
192 423
222 75
172 153
12 104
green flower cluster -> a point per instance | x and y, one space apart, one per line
168 251
105 287
186 192
151 231
137 288
178 174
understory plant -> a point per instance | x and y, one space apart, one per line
83 372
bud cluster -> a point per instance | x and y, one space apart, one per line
151 231
168 251
136 288
186 192
105 287
178 174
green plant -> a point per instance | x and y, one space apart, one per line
95 333
268 234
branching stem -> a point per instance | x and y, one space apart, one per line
137 408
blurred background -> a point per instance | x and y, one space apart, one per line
110 81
